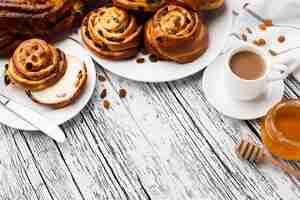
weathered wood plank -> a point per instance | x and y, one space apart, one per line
44 167
51 166
19 178
139 149
272 183
87 162
163 141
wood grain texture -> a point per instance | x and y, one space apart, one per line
163 141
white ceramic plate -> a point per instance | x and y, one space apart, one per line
219 27
216 94
57 116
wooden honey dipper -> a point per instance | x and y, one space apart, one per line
251 152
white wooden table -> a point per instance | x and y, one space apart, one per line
161 142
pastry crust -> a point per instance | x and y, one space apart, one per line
176 33
36 65
203 5
27 19
8 42
140 5
111 33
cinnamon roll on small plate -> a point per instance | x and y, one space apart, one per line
36 67
202 42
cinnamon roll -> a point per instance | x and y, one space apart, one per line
176 33
36 65
140 5
111 33
40 18
202 5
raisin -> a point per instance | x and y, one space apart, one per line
122 93
244 37
281 39
140 60
103 94
153 58
101 78
106 104
29 66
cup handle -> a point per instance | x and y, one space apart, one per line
283 72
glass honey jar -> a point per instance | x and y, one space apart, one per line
281 130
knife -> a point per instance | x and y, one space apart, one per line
33 118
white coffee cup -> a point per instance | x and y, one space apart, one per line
243 89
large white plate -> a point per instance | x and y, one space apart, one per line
56 116
219 28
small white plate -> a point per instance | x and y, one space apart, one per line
56 116
216 94
219 28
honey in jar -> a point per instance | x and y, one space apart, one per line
281 130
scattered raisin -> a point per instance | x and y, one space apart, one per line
259 42
106 104
140 60
122 93
153 58
103 94
268 22
249 30
262 27
281 39
101 78
244 37
6 66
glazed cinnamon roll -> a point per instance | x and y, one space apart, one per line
111 33
140 5
177 34
202 5
36 65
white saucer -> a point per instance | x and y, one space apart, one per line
57 116
216 94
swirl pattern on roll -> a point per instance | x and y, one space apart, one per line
36 65
112 33
140 5
176 33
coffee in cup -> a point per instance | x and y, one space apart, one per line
247 65
249 70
